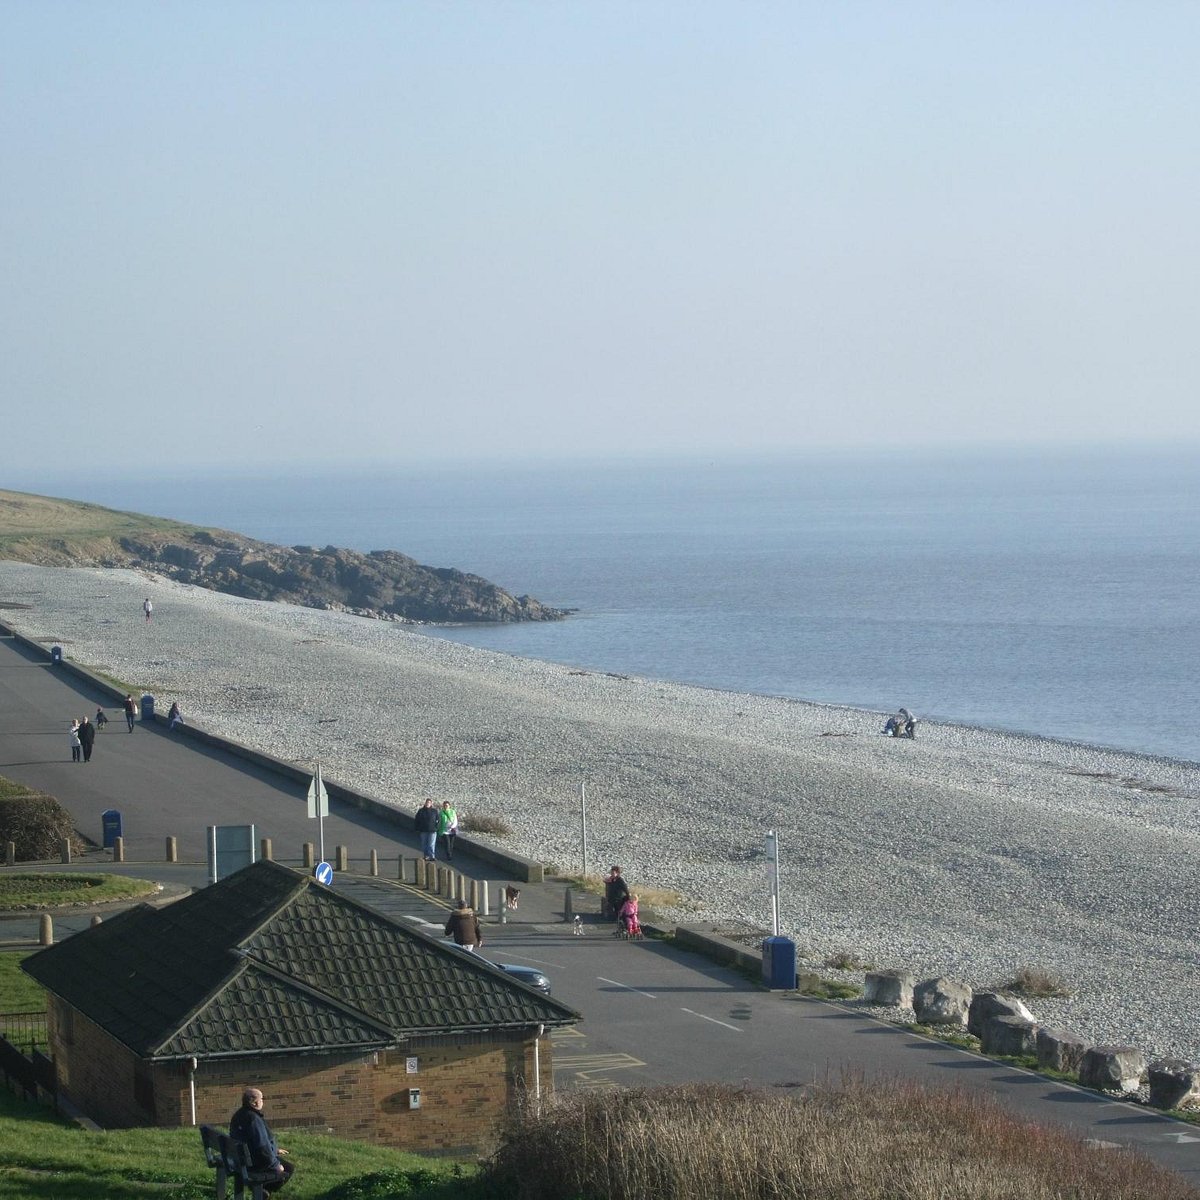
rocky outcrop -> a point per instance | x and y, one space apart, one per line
383 583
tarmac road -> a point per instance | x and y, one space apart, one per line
652 1014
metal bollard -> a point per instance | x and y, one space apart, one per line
65 850
265 849
309 855
374 868
118 849
172 850
46 930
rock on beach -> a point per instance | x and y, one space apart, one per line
966 853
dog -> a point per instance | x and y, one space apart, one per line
578 930
511 896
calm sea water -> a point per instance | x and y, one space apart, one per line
1051 594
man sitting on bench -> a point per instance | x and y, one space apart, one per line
250 1126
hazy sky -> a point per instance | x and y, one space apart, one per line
278 232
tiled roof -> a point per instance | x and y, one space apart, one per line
268 960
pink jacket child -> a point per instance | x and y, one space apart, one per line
628 916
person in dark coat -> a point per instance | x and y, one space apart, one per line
463 927
87 736
130 712
248 1125
616 892
426 824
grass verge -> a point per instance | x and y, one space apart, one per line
41 890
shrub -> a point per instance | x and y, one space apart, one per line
846 960
1037 981
37 824
873 1140
483 823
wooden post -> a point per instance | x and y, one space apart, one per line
46 930
483 908
568 905
475 894
309 855
65 850
10 854
374 868
172 850
342 859
265 849
118 849
430 876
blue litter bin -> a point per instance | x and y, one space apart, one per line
147 708
56 655
779 963
110 822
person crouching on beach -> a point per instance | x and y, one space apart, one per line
174 715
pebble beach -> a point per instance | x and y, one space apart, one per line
968 853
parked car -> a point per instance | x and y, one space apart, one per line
530 976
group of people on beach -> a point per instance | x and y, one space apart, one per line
620 904
437 828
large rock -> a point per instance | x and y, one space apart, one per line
1008 1035
1058 1050
942 1002
889 989
994 1004
1174 1084
1112 1068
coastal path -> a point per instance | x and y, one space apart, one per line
652 1014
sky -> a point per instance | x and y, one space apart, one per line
338 233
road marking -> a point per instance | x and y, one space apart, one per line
1180 1137
714 1020
627 987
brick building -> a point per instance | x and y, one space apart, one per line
162 1016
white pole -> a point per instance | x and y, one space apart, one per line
583 812
320 815
773 877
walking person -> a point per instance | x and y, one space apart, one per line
447 829
426 824
147 608
76 744
87 736
130 712
248 1125
463 927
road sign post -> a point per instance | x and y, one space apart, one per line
318 807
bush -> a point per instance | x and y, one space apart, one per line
846 960
1038 981
873 1140
482 823
37 824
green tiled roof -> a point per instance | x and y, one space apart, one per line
268 961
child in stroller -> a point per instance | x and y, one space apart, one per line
628 925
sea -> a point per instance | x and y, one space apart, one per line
1053 593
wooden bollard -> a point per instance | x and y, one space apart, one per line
265 849
172 850
475 894
430 876
402 870
309 855
482 908
374 867
65 850
501 905
118 849
46 930
10 854
568 904
342 859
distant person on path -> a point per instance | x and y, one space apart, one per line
87 735
616 892
130 712
76 744
101 720
174 715
463 927
147 608
426 824
248 1125
447 829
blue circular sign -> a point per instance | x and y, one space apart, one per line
323 873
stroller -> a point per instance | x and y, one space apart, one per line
628 925
902 724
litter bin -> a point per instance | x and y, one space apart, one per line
147 708
56 655
110 822
779 963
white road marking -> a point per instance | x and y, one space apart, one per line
1180 1137
627 987
713 1020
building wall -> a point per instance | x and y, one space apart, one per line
468 1085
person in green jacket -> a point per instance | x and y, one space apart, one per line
447 829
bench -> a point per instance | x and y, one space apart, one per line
230 1159
211 1140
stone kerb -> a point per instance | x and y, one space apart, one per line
942 1002
1112 1068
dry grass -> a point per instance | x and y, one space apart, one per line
483 823
1037 982
847 960
871 1141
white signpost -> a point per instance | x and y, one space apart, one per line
583 815
318 807
773 877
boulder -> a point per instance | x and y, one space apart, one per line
1058 1050
1174 1084
890 989
942 1002
1008 1035
1112 1068
994 1004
